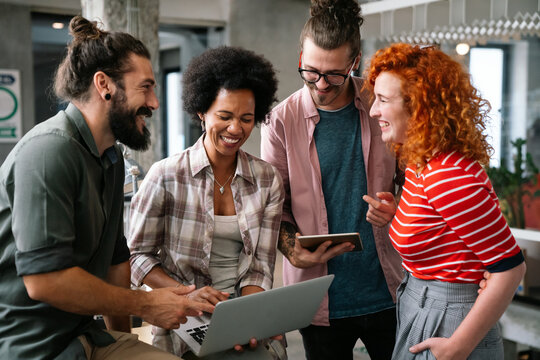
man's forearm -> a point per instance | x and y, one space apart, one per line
119 275
77 291
287 238
158 278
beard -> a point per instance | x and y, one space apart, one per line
123 123
334 94
323 100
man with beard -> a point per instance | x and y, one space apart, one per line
330 155
63 254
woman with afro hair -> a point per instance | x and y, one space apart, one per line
210 215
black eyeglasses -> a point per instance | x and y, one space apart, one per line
313 76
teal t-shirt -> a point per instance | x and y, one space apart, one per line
359 286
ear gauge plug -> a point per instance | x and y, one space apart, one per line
107 96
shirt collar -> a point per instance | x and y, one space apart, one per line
310 110
111 154
77 118
242 167
198 160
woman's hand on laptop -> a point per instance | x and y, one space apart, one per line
253 343
208 294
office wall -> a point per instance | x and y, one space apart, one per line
271 28
16 50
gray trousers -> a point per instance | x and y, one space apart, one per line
427 309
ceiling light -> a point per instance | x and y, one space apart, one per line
58 25
462 48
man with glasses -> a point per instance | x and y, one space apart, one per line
330 154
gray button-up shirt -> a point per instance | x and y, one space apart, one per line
61 206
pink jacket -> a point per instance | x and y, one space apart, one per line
287 143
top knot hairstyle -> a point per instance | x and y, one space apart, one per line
92 50
446 111
230 68
334 23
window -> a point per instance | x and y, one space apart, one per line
486 68
49 40
505 74
175 125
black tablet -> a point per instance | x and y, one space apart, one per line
311 242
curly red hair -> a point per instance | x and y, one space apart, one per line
446 112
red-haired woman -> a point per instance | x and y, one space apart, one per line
448 227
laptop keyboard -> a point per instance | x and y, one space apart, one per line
198 333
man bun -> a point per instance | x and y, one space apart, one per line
82 29
345 9
334 23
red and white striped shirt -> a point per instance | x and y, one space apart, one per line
448 225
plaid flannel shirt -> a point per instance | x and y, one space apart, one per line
172 218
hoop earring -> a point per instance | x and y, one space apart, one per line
107 96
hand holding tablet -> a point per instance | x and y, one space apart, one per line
311 242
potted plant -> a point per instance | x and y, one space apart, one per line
515 187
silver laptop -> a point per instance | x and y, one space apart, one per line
259 316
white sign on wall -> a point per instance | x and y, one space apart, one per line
10 105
